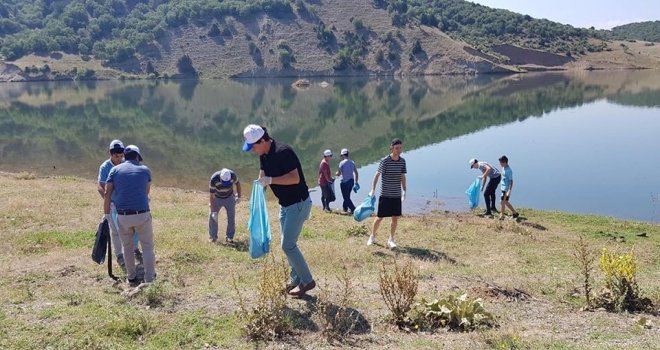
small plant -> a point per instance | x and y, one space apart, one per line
586 259
266 319
621 292
459 313
338 315
357 231
398 289
156 294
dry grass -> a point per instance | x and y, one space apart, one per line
52 295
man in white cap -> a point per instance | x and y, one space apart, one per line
326 181
488 172
280 169
128 185
349 177
116 151
221 188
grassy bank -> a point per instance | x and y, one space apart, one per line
52 295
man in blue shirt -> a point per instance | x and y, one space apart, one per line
349 177
507 187
128 187
116 151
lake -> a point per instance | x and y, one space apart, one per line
583 142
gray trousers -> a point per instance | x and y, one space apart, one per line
230 205
140 223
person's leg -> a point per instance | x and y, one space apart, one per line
144 228
349 203
292 219
395 221
376 225
230 206
345 195
126 231
294 280
213 224
487 197
494 183
114 235
324 200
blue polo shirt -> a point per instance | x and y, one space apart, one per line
104 170
130 180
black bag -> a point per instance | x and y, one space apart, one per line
103 244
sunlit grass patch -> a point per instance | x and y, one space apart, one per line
39 242
196 329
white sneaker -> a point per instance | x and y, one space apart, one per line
371 240
391 244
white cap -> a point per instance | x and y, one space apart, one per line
225 174
327 153
472 161
252 133
133 148
116 145
344 151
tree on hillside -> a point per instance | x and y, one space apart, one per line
185 66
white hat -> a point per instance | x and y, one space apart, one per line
327 153
225 174
116 145
133 148
472 161
252 133
344 151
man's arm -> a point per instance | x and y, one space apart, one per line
374 182
357 176
508 193
238 189
108 197
290 178
403 182
100 187
485 177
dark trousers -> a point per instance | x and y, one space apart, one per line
327 196
346 188
489 193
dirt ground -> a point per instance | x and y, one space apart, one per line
53 296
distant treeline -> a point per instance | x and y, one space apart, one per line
647 31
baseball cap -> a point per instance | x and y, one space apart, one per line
252 133
344 151
116 145
133 148
472 161
225 174
327 153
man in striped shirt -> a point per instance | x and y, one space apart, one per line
392 191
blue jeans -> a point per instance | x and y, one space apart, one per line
291 223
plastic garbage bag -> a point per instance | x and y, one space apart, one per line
258 222
473 193
365 209
356 187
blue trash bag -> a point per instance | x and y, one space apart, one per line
258 222
365 209
356 187
473 193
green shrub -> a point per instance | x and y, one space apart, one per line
459 313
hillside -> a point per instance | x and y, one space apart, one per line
646 31
208 38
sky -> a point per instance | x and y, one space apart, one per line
602 14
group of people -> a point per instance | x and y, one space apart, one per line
124 183
494 178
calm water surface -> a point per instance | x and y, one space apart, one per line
584 142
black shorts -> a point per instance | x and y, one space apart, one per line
388 207
504 196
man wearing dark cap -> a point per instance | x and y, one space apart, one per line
281 170
128 185
116 151
392 190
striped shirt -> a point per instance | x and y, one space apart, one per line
391 171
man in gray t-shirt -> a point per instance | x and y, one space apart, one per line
349 177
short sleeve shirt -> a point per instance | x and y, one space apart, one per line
104 171
507 178
281 160
493 173
324 173
347 168
222 189
391 172
129 180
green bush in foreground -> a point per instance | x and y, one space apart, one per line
459 313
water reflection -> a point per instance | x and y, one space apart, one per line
188 129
